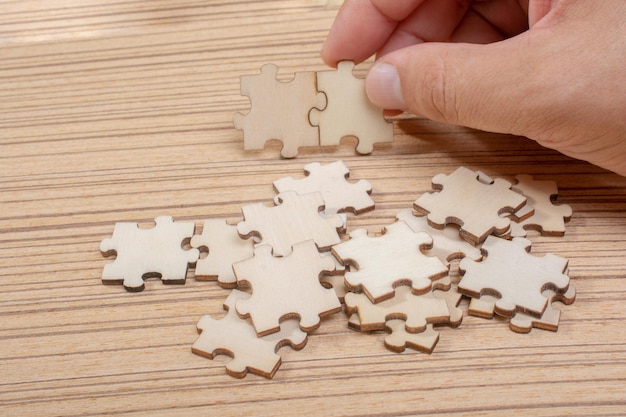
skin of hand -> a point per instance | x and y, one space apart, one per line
550 70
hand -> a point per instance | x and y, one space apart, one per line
551 70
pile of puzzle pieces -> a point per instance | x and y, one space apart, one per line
313 109
290 264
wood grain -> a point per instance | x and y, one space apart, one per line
122 111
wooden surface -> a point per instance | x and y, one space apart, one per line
122 111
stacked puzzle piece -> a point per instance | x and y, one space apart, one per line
313 109
281 261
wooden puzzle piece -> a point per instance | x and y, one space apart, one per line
389 260
280 110
473 201
348 111
225 247
236 337
331 181
400 338
146 253
334 279
549 219
447 242
286 287
295 220
510 272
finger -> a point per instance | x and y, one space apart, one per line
508 16
475 29
537 9
362 27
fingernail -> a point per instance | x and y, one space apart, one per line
383 87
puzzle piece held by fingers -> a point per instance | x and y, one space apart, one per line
510 272
237 338
473 201
295 220
331 181
280 110
286 287
348 111
145 253
389 260
225 247
548 218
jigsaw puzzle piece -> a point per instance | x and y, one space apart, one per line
471 200
549 320
235 337
145 253
331 181
295 220
400 338
348 111
280 110
511 273
225 248
389 260
447 242
286 287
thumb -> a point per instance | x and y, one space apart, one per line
479 86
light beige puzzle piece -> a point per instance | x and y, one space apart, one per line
400 338
511 273
334 279
145 253
280 110
389 260
225 247
295 220
447 242
331 181
348 111
473 201
548 218
236 337
416 310
286 287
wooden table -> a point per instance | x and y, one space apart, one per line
122 111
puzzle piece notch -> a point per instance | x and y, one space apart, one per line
511 273
282 288
146 253
348 111
447 242
280 110
295 220
387 261
225 247
235 337
331 180
464 198
547 218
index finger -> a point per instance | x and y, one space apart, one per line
362 27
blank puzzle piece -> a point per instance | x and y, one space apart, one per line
331 181
279 110
237 338
348 111
295 220
549 219
225 247
400 338
286 287
473 201
146 253
447 243
515 276
389 260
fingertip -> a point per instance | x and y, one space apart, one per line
383 87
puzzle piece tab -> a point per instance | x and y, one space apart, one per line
237 338
331 181
348 111
286 287
280 110
518 278
295 220
473 201
389 260
145 253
